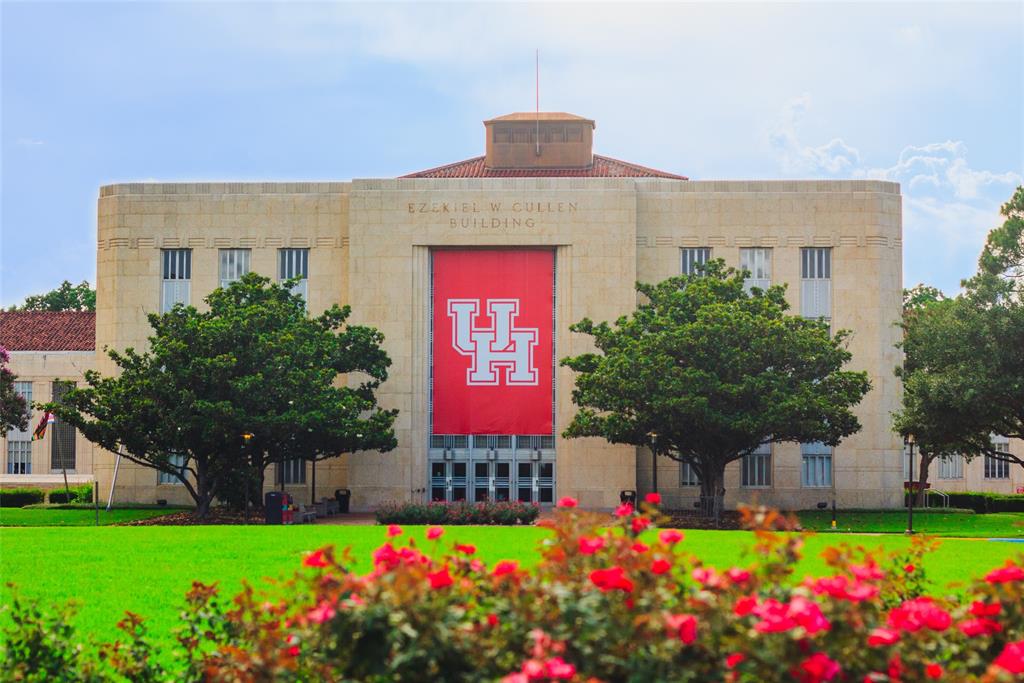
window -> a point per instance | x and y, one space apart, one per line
816 283
19 441
62 446
295 263
951 467
177 278
759 262
816 468
688 475
178 461
995 468
756 468
693 257
234 263
291 471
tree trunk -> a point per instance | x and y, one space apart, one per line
204 492
712 489
925 464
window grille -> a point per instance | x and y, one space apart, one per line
178 461
816 465
177 278
62 447
758 261
694 257
688 475
951 467
994 467
291 471
234 263
816 283
19 456
295 263
756 468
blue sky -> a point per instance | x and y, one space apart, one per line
927 94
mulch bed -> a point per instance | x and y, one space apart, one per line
685 519
187 518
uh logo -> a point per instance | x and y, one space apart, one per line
498 346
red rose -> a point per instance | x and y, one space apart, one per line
981 609
979 627
1010 572
321 613
883 636
933 671
624 510
440 579
639 547
653 498
913 615
611 579
737 575
682 625
560 669
466 549
492 620
315 559
394 530
735 658
744 606
1011 658
567 502
818 667
660 566
589 546
505 567
639 524
434 533
670 536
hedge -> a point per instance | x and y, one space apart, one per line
79 494
983 502
503 513
20 497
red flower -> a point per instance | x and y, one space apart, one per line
913 615
315 559
434 533
639 547
867 572
670 536
933 671
505 567
492 620
611 579
682 625
624 510
560 669
818 667
321 613
1010 572
737 575
981 609
744 606
709 578
841 588
293 651
589 546
1011 658
883 636
979 627
440 579
776 616
567 502
735 658
653 498
660 566
394 530
639 524
466 549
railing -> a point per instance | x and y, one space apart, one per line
943 497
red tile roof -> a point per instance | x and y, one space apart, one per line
540 116
48 330
603 167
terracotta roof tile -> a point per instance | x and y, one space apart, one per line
542 116
603 167
48 330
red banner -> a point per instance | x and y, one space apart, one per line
493 335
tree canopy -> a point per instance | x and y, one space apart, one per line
705 373
67 297
250 382
13 407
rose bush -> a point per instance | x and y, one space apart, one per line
609 600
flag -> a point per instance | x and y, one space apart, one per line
40 432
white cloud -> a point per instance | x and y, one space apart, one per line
835 157
28 142
941 166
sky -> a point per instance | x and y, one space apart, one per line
925 94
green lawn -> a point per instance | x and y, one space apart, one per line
51 517
148 569
932 522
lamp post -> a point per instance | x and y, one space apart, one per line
909 442
654 462
246 438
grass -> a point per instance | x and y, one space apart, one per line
948 523
35 517
148 569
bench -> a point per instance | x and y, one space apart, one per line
305 516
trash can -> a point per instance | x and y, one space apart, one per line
343 496
273 507
627 497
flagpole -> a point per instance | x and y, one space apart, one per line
117 464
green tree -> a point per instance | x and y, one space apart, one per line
13 407
250 382
1001 265
67 297
705 373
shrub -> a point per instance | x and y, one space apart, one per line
984 502
79 494
505 513
606 602
20 497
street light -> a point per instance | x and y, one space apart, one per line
246 438
909 444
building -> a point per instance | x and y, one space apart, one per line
538 233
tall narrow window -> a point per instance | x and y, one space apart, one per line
994 467
756 468
19 441
816 465
178 461
62 447
291 472
694 257
816 283
177 278
688 475
234 263
951 467
757 260
295 263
